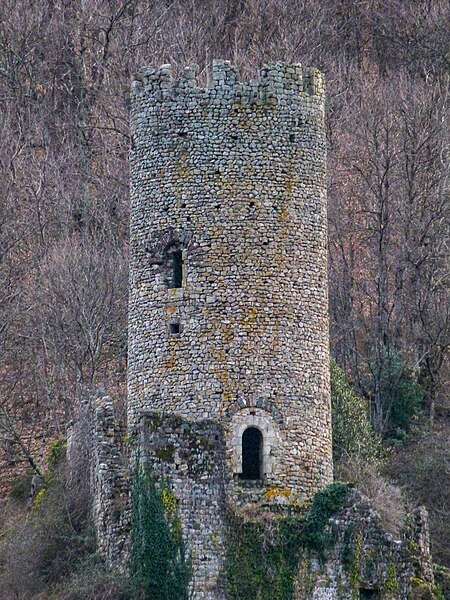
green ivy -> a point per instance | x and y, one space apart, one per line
160 567
263 555
57 453
324 505
262 559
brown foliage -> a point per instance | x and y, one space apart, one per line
423 469
65 68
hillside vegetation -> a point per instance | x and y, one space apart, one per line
65 71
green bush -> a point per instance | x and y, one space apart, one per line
353 434
160 567
325 504
401 394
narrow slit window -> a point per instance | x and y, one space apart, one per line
252 444
177 269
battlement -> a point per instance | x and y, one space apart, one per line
276 81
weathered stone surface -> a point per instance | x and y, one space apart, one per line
236 183
365 561
228 328
98 432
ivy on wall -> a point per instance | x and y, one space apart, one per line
160 567
263 554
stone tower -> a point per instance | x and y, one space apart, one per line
228 326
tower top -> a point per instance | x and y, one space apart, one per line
276 81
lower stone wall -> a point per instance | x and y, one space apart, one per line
364 561
98 432
191 456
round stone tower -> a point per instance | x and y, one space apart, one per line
228 307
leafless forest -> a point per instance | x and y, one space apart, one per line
65 70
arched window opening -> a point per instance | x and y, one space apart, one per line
177 269
252 445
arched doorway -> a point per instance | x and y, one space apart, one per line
252 445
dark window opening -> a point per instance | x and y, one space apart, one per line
174 327
365 594
252 442
177 269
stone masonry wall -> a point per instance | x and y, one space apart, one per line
191 457
362 560
98 433
365 561
233 178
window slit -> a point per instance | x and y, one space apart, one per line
177 269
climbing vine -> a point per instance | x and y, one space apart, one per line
263 554
324 505
160 567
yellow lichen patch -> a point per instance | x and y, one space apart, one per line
247 320
170 363
171 358
276 492
227 333
289 185
284 214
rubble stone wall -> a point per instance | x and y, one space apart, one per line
232 179
98 432
365 561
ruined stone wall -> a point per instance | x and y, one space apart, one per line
191 456
365 561
99 434
359 559
233 178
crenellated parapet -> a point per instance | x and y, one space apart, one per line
277 82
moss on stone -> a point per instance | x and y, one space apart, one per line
355 567
423 590
264 557
391 585
166 454
154 422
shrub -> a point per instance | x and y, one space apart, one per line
422 467
386 498
401 394
21 487
358 452
353 435
92 580
43 545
